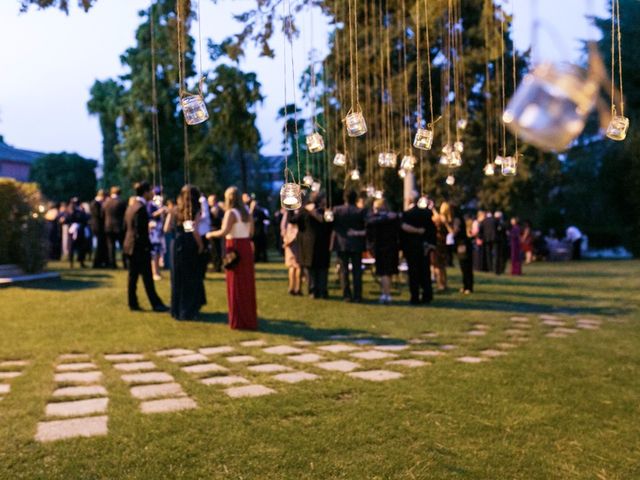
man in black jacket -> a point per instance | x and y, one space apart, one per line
137 248
100 257
113 210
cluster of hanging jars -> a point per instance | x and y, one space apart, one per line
452 155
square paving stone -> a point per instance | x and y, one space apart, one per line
373 355
518 319
191 358
377 375
282 350
428 353
269 368
76 367
226 380
77 408
392 348
174 352
249 391
410 363
554 323
144 392
75 427
589 321
14 363
9 375
78 357
548 317
565 330
149 377
587 326
204 368
295 377
338 348
339 366
216 350
306 358
303 343
135 366
240 359
168 405
470 359
84 391
5 388
476 333
124 357
78 377
491 353
253 343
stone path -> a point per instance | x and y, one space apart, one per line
10 369
78 405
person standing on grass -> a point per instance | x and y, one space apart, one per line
526 242
114 208
465 255
516 250
384 228
289 233
100 257
574 235
237 228
137 248
441 257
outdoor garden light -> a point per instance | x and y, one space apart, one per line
509 166
307 180
355 175
489 169
455 159
194 109
499 159
447 149
340 160
407 163
378 194
617 129
444 159
458 147
355 124
423 139
291 196
387 159
451 180
328 216
315 143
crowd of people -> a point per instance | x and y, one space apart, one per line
197 232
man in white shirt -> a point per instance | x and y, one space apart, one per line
575 237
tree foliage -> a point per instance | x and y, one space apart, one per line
65 175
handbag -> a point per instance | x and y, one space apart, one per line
231 258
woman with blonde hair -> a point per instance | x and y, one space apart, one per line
237 229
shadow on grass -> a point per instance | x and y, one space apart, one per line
61 285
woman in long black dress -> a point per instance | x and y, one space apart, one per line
464 251
187 285
384 229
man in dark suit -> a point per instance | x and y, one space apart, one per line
488 235
418 233
349 241
113 210
137 248
100 257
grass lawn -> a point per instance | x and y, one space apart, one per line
564 408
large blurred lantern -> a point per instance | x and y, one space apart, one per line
509 166
618 126
498 160
194 109
423 202
408 163
340 160
451 180
378 194
291 196
355 175
307 180
455 159
423 139
550 107
387 159
355 124
489 170
328 216
370 190
315 143
458 146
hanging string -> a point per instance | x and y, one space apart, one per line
286 105
503 98
295 109
426 19
615 29
185 134
447 73
155 129
383 85
460 48
514 72
405 82
367 91
389 80
488 92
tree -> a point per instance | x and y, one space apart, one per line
61 4
65 175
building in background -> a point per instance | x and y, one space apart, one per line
16 163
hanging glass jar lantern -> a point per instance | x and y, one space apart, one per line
489 169
499 159
455 159
423 202
291 196
355 124
408 163
387 159
550 107
355 175
458 146
462 124
370 190
378 194
194 109
340 160
315 143
402 173
423 139
307 180
451 180
328 216
509 166
618 126
316 186
444 159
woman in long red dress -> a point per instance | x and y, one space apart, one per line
237 228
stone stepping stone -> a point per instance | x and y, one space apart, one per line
303 343
73 357
216 350
506 346
9 375
392 348
556 335
241 359
428 353
135 366
204 368
84 391
253 343
373 355
306 358
480 326
269 368
554 323
338 348
75 427
4 388
470 359
477 333
587 326
429 335
191 358
124 357
174 352
339 366
491 353
282 350
249 391
565 330
149 377
548 317
409 363
295 377
145 392
14 363
226 380
518 319
75 367
78 377
377 375
448 348
167 405
77 408
589 321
